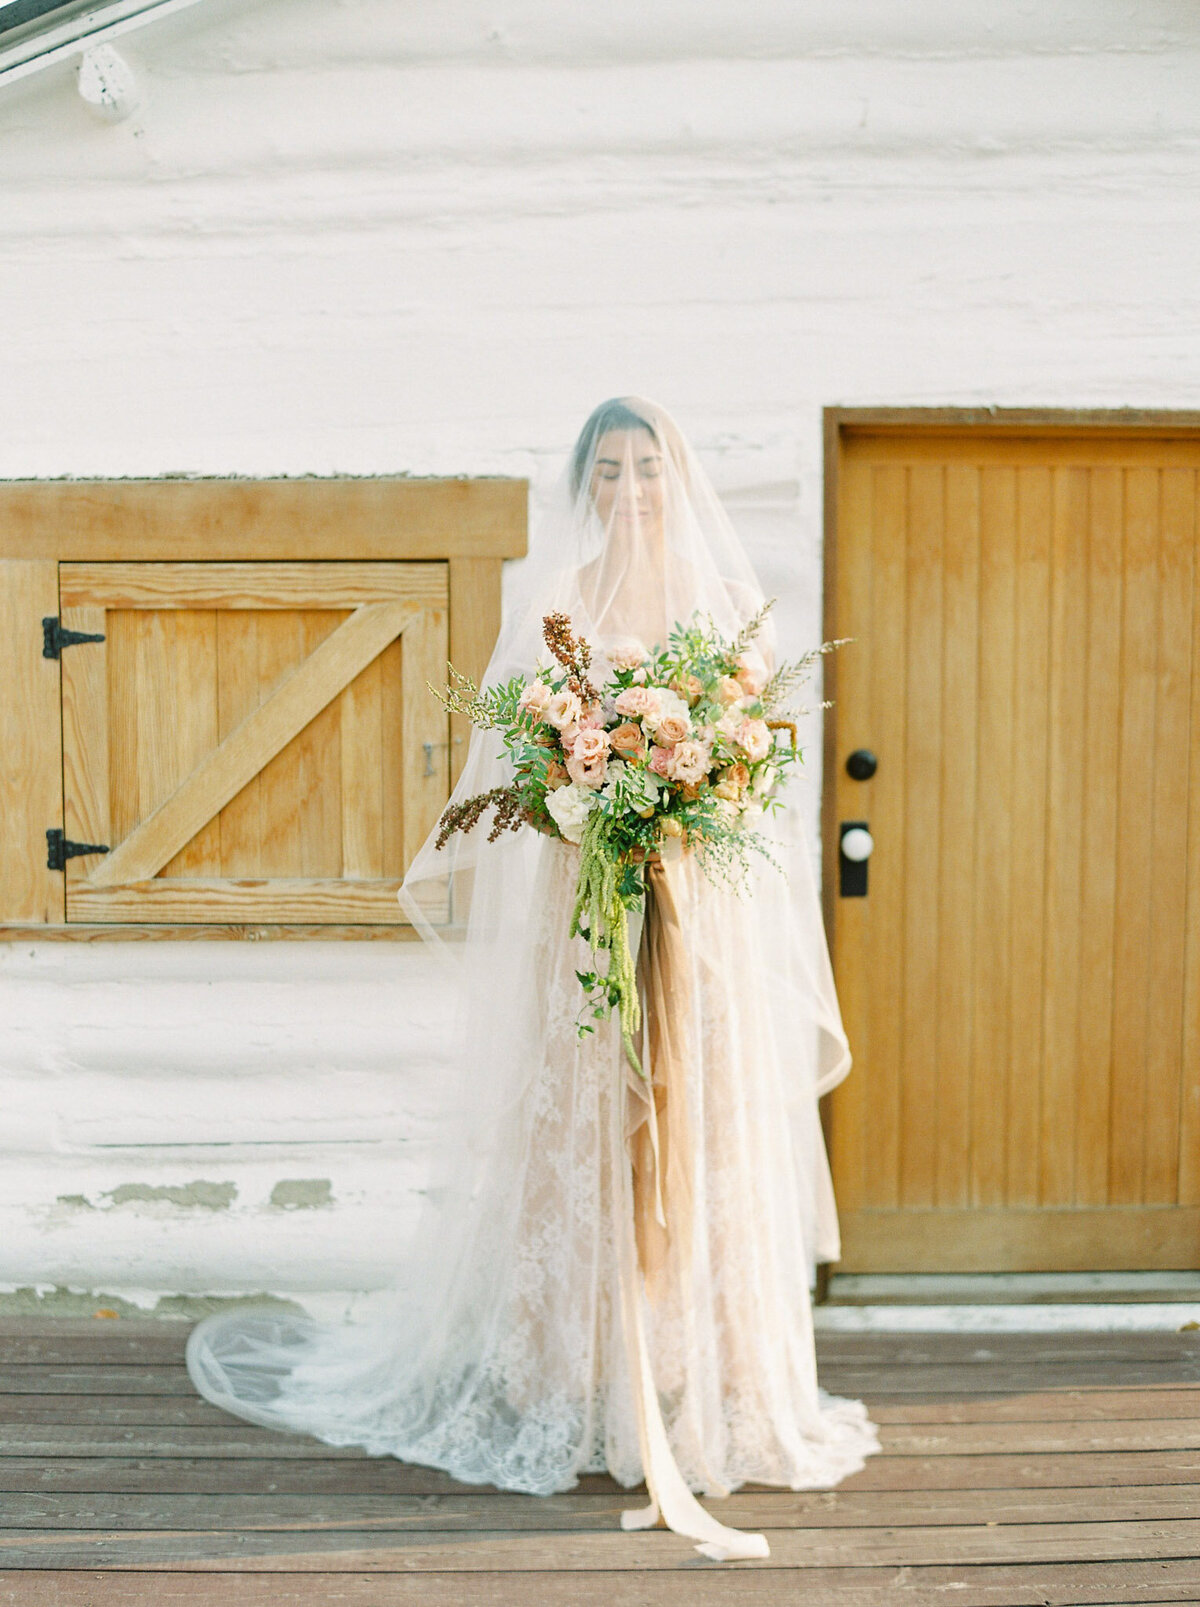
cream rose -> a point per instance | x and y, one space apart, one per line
728 690
563 708
690 762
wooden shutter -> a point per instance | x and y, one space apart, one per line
251 741
1021 983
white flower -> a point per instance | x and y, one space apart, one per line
569 808
764 780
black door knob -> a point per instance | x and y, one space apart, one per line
862 764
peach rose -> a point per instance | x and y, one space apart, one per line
728 690
589 746
689 763
563 708
754 739
534 699
635 702
751 673
660 761
628 741
736 775
672 728
727 790
689 687
588 772
556 775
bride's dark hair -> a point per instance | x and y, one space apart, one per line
615 414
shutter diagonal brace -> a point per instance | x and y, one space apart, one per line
221 774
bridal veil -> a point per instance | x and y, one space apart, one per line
498 1352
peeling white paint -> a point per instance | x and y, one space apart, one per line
372 237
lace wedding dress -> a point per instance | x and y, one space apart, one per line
547 1322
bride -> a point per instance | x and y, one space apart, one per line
602 1280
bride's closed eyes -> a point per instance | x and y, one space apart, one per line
609 469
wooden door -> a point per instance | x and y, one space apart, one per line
250 741
1021 982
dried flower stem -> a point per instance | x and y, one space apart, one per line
511 814
574 654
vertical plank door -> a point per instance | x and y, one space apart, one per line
251 741
1021 982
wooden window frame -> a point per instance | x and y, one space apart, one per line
472 525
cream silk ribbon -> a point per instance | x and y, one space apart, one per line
654 1191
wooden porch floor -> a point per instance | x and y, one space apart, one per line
1016 1469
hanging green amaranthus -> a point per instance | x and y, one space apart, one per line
604 896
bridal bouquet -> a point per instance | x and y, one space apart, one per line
679 748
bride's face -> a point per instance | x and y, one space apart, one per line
627 483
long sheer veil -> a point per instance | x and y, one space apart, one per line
634 540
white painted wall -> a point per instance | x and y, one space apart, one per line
380 235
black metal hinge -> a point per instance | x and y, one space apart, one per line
59 849
54 638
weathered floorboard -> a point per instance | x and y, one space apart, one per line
773 1509
362 1551
1016 1469
705 1585
383 1476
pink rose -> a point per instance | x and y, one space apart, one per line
635 702
754 739
556 776
672 728
728 690
534 699
690 763
589 746
592 718
588 772
563 708
660 761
